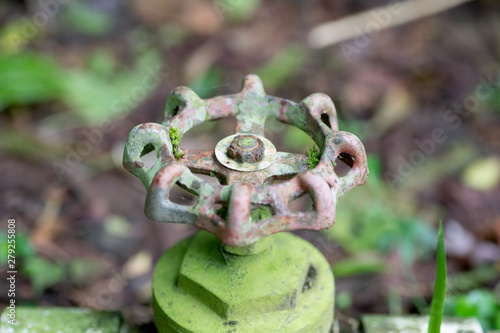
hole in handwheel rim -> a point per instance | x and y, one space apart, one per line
221 210
304 203
287 137
261 212
343 164
181 196
274 180
325 118
209 178
148 156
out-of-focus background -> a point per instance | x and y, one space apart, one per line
424 97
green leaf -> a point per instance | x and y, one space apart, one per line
343 300
282 66
102 63
362 263
42 273
375 167
436 315
261 213
87 21
99 93
23 248
237 10
29 78
481 304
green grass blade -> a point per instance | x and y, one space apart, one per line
437 306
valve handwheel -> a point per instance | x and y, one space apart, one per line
247 163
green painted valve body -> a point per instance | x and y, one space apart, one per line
240 274
288 287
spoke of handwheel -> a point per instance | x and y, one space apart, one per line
198 159
249 123
288 164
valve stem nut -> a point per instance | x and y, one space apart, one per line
246 149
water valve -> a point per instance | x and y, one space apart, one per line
238 276
247 163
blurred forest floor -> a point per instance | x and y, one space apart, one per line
424 98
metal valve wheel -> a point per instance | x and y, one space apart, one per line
247 164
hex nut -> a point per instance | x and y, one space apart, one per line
246 149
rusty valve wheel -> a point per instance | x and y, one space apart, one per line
246 163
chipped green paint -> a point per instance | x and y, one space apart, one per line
316 115
62 320
225 292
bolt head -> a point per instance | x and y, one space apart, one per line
246 149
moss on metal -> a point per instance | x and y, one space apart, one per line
176 137
197 288
313 157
